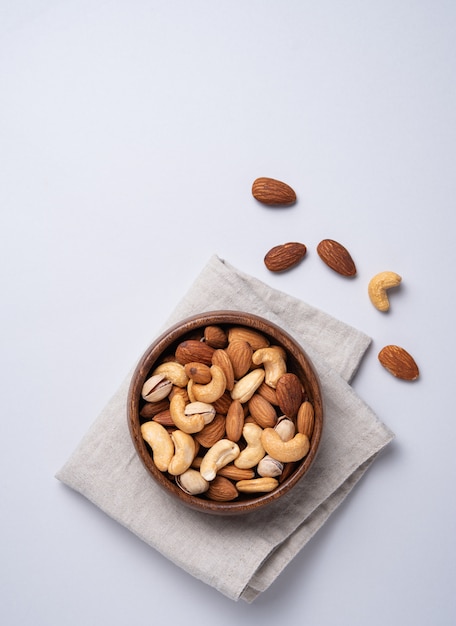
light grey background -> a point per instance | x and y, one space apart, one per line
130 134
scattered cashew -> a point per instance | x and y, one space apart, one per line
192 482
184 452
285 451
378 287
252 454
161 443
244 389
221 453
273 360
174 372
156 388
213 390
192 423
257 485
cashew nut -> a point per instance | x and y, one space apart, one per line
192 482
184 452
174 372
219 455
252 454
378 287
161 443
244 389
213 390
192 423
257 485
273 360
285 451
156 388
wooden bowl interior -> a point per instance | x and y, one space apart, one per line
297 362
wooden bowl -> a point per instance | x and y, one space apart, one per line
165 346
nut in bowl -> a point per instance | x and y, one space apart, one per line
225 411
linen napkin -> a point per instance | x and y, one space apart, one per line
240 556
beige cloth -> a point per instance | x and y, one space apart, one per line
239 556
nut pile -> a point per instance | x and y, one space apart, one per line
223 415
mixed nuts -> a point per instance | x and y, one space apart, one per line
285 256
224 416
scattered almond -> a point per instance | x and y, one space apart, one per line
398 362
273 192
284 256
336 257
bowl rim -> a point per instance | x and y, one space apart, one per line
163 342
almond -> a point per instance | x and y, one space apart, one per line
398 362
336 257
284 256
194 350
236 473
152 408
222 489
164 418
240 354
254 338
215 337
262 411
305 419
273 192
289 394
221 358
223 403
234 421
268 393
198 372
212 432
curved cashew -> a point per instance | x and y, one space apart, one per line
192 482
221 453
252 454
214 389
156 388
184 452
174 372
269 467
257 485
192 423
161 443
378 287
274 361
244 389
285 451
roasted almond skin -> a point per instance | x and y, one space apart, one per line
284 256
215 337
194 350
289 394
222 489
273 192
337 257
399 362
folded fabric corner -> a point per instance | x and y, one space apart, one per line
106 470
